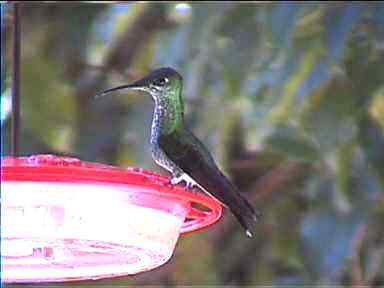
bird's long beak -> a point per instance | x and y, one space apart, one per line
138 85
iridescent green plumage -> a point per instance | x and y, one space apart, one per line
176 149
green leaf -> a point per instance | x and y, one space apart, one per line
371 138
330 114
292 143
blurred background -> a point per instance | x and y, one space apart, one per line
289 97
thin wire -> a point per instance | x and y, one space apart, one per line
15 81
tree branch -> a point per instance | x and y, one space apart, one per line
135 36
357 273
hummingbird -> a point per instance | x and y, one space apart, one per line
180 152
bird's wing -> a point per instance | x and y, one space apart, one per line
189 154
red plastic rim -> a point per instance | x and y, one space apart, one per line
203 210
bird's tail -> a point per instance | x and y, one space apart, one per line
216 184
223 190
244 212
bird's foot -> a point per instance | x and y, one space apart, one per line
189 182
176 179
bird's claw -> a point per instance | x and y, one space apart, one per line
189 183
176 179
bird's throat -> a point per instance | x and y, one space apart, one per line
168 114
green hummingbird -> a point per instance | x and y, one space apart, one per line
180 152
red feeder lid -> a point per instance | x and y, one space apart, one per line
76 202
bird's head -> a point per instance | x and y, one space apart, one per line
157 83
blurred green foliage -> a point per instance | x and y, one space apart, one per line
289 97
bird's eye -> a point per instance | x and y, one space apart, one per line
160 82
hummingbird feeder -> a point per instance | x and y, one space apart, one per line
67 220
